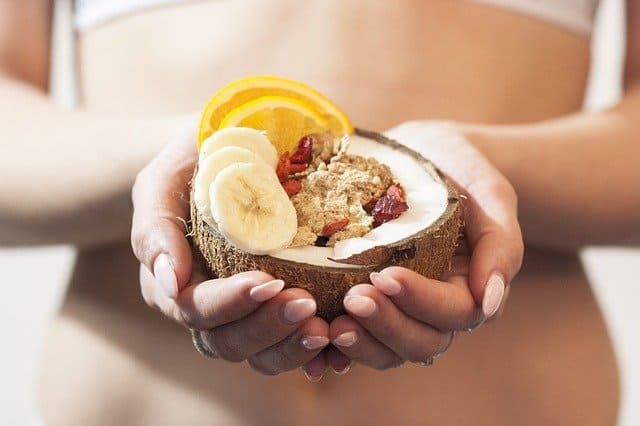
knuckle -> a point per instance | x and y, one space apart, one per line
138 241
387 364
289 356
258 337
219 343
419 354
386 331
138 184
263 368
187 318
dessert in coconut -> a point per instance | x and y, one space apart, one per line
285 185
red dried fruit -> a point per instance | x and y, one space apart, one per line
292 187
387 208
331 228
396 191
304 151
368 207
297 168
284 167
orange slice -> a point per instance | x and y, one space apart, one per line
285 120
248 89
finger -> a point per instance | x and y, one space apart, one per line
447 305
490 206
350 338
268 325
207 304
411 339
494 236
160 198
339 362
497 257
294 351
314 369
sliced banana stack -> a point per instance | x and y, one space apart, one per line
236 190
209 168
252 209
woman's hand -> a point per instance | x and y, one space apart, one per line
244 317
403 316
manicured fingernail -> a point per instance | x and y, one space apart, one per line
346 339
314 342
165 275
361 306
311 378
266 291
493 293
345 370
297 310
386 284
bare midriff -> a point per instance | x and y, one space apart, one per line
111 360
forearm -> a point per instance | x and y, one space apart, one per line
577 178
67 174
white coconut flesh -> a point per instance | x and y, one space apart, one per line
427 200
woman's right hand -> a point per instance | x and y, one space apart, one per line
244 317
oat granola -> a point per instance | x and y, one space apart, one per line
338 192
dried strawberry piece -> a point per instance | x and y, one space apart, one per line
368 207
292 187
396 191
297 168
304 151
387 208
284 167
331 228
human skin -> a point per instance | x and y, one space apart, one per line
128 365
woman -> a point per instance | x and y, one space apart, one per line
111 360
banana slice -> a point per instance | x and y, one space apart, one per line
251 209
209 168
243 137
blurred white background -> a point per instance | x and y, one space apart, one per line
34 279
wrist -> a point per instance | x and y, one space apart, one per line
491 142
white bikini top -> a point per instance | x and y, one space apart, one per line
574 15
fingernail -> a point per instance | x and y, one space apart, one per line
493 293
266 291
311 378
361 306
165 275
297 310
345 370
314 342
346 339
386 284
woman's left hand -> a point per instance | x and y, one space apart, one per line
403 316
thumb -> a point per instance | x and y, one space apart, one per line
161 207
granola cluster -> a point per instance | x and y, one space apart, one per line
335 194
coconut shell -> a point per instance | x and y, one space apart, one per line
427 252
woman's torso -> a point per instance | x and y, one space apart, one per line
112 360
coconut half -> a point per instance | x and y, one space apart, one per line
422 239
